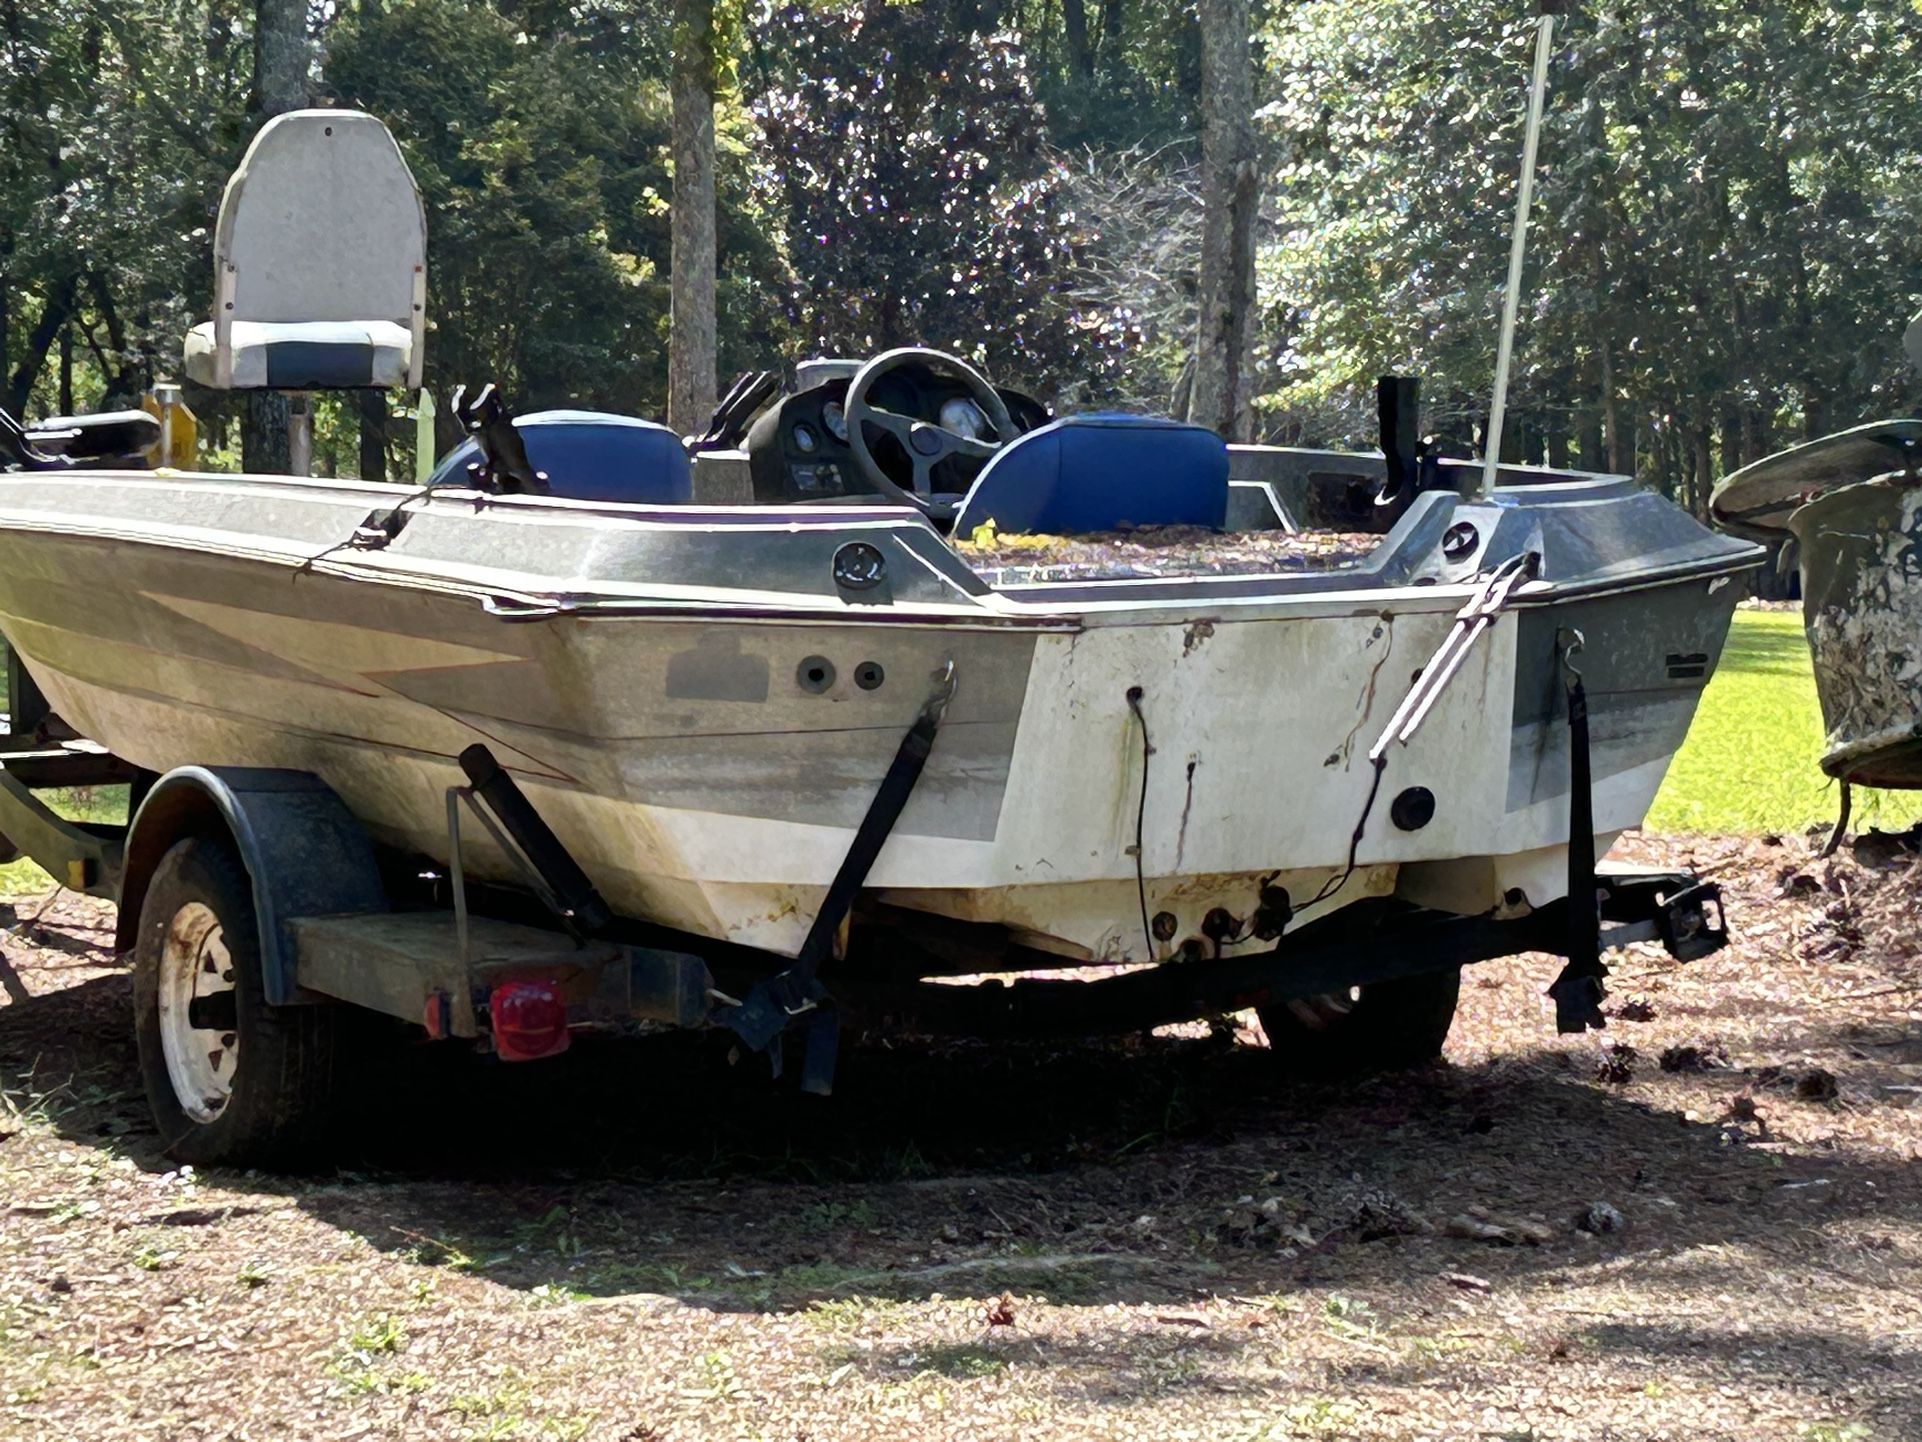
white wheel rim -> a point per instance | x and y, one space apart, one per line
195 963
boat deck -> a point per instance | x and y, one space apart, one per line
1158 552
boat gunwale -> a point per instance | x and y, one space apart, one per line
983 606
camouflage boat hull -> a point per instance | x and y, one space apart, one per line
1861 560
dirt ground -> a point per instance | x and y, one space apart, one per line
1704 1224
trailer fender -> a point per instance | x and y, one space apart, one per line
304 852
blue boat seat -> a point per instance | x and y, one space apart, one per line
593 456
1094 473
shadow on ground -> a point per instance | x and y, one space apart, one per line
1099 1172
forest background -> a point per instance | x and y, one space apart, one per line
1727 237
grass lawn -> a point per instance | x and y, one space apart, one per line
91 803
1750 760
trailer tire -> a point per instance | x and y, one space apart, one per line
1384 1026
258 1094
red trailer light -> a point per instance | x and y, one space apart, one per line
530 1021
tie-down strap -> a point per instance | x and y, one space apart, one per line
775 1001
1578 991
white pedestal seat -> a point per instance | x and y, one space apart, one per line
320 263
326 355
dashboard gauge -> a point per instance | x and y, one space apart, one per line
823 480
964 418
836 420
804 439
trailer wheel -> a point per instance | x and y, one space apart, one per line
1385 1026
231 1080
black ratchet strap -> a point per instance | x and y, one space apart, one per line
775 1002
1578 991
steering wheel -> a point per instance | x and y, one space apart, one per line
926 443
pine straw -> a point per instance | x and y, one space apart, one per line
1143 1239
1878 916
1157 551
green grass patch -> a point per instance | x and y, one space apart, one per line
78 803
1750 763
23 878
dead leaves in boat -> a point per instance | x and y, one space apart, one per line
1156 551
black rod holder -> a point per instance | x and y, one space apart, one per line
1398 407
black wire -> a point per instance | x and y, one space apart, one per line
1329 888
1141 816
1529 560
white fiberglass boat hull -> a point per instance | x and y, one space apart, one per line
704 738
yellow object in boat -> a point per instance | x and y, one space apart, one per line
179 428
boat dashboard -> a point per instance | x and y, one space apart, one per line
801 451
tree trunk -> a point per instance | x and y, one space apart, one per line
116 372
1588 422
1074 29
1756 429
1184 388
53 316
1589 442
691 358
1112 32
264 448
283 56
6 302
1815 410
1230 195
1665 460
1704 468
373 435
65 401
1619 461
1559 412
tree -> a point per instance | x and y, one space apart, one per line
1110 77
547 193
1074 29
1713 178
538 130
1230 196
283 57
120 123
283 61
1141 263
691 355
371 405
909 164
